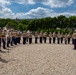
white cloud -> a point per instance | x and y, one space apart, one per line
4 11
23 1
4 2
34 13
51 3
40 13
40 1
58 3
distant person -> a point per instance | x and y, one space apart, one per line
66 38
41 36
8 39
0 38
54 37
50 37
74 38
0 41
11 37
4 40
24 35
36 37
58 37
45 37
18 37
62 36
30 38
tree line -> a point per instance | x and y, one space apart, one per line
48 24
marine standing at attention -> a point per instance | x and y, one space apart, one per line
54 37
58 37
68 36
30 38
41 36
45 37
62 36
36 37
50 37
0 38
74 38
24 35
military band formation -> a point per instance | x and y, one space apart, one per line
12 37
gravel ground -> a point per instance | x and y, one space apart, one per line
39 59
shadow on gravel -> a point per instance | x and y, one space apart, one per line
2 51
3 60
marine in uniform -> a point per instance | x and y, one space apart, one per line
30 38
0 38
36 37
8 39
74 38
0 41
58 37
45 37
62 36
41 36
4 40
15 38
18 37
54 37
68 36
50 37
12 37
24 35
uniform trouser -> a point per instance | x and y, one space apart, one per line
40 39
4 43
58 40
50 40
44 39
53 39
15 40
30 40
0 47
12 41
19 40
61 39
65 41
74 43
27 39
8 42
24 40
36 39
0 43
68 40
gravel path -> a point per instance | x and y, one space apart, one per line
39 59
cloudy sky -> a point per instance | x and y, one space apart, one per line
28 9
